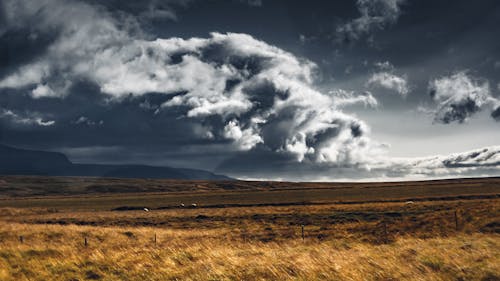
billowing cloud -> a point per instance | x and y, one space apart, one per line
244 90
389 81
82 30
264 95
375 15
485 160
459 96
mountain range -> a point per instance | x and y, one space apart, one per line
16 161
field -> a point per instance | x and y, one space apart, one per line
73 229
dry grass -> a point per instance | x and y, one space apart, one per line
342 242
53 252
360 222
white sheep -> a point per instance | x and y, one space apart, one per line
146 210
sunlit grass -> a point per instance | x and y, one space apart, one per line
252 250
58 253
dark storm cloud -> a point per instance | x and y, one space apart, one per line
255 3
496 113
91 129
145 11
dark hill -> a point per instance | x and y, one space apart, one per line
15 161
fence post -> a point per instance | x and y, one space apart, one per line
456 221
303 236
155 238
85 242
21 239
385 232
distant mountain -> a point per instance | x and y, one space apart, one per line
15 161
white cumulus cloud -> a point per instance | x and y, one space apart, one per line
390 81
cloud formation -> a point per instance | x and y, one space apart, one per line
389 81
243 90
485 160
459 96
83 120
495 114
375 15
263 95
228 93
477 162
25 119
345 98
384 65
254 3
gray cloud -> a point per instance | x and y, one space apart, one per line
83 120
156 9
375 14
459 96
255 3
25 119
384 66
345 98
146 11
495 114
486 159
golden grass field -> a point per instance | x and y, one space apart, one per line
450 238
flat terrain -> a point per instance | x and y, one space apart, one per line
106 194
435 230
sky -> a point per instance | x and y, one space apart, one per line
257 89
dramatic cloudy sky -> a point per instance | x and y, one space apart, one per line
266 89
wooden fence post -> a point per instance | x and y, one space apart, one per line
456 221
303 236
21 239
385 232
155 238
85 242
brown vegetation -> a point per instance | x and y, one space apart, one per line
453 239
105 194
58 253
